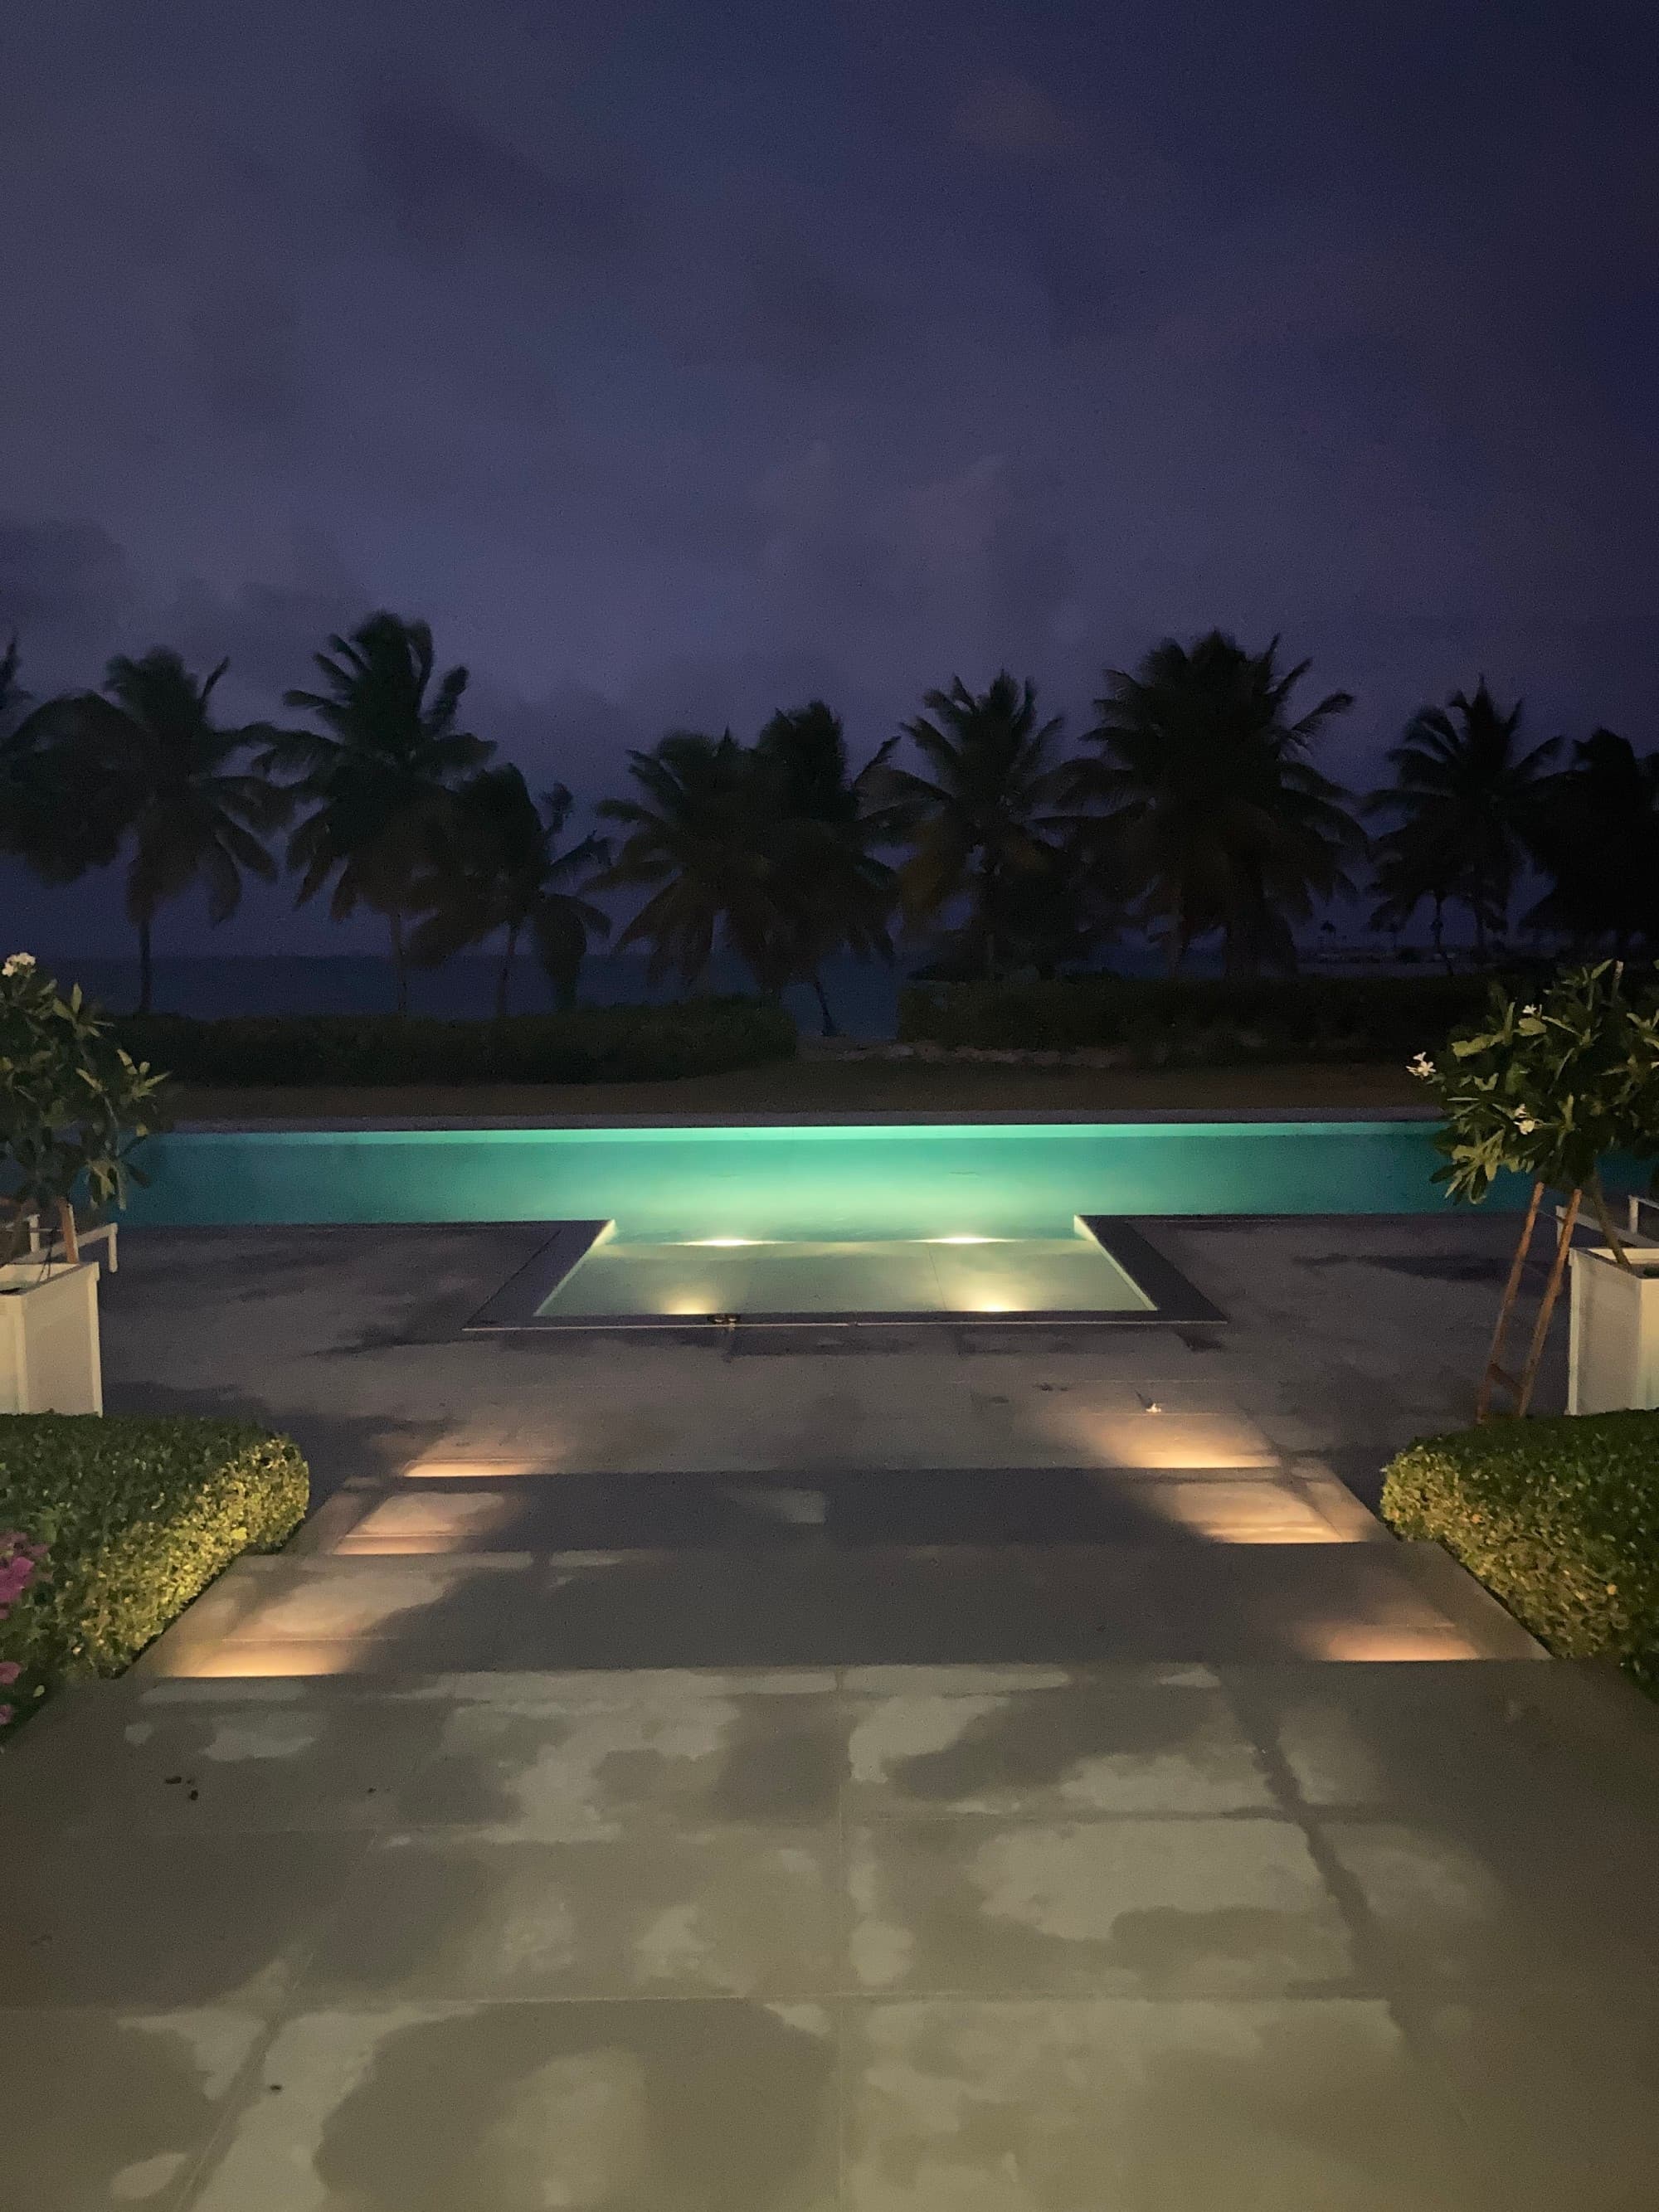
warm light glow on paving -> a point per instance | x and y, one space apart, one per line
727 1243
471 1470
1361 1640
964 1240
288 1654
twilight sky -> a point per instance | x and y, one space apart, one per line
679 360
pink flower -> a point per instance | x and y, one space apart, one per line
9 1670
6 1712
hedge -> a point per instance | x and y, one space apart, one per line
1205 1020
138 1514
589 1044
1558 1518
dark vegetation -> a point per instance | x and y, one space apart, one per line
1192 810
1559 1519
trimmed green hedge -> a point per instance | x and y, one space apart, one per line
138 1515
1558 1518
1199 1020
589 1044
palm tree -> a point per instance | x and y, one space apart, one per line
56 818
837 894
703 839
497 868
381 773
1464 800
156 776
1203 797
1413 868
976 820
1595 833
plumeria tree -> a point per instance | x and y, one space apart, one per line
1551 1090
73 1106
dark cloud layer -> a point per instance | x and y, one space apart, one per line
676 360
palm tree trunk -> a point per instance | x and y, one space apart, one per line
505 977
1437 935
146 966
1180 937
829 1025
399 964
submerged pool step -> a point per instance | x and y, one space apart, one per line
829 1606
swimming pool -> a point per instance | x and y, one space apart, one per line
791 1183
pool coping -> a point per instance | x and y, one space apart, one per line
1175 1116
516 1305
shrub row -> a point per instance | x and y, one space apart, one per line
589 1044
1209 1020
1558 1518
138 1515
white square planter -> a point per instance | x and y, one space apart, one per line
1613 1359
49 1354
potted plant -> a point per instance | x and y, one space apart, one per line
72 1105
1552 1090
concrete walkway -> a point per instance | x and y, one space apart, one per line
1145 1831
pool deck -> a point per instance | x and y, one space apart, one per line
957 1771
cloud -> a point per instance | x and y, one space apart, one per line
1010 115
64 587
269 630
803 316
244 332
451 184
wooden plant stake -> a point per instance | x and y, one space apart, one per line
1519 1387
66 1230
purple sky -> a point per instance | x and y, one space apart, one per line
681 361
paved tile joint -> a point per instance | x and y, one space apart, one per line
1031 1803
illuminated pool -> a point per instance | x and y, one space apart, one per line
870 1222
851 1184
632 1277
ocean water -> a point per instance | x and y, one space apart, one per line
863 996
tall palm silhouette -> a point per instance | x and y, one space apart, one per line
158 777
1594 832
381 776
700 840
59 812
979 819
1202 799
834 892
1463 804
497 869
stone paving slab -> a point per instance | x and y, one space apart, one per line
1033 1938
1303 1503
802 1606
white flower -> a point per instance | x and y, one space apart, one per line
16 962
1525 1123
1421 1066
1530 1010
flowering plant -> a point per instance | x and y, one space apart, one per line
21 1564
73 1104
1551 1090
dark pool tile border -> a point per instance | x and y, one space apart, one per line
1175 1303
514 1305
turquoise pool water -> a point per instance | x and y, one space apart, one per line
832 1185
631 1276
